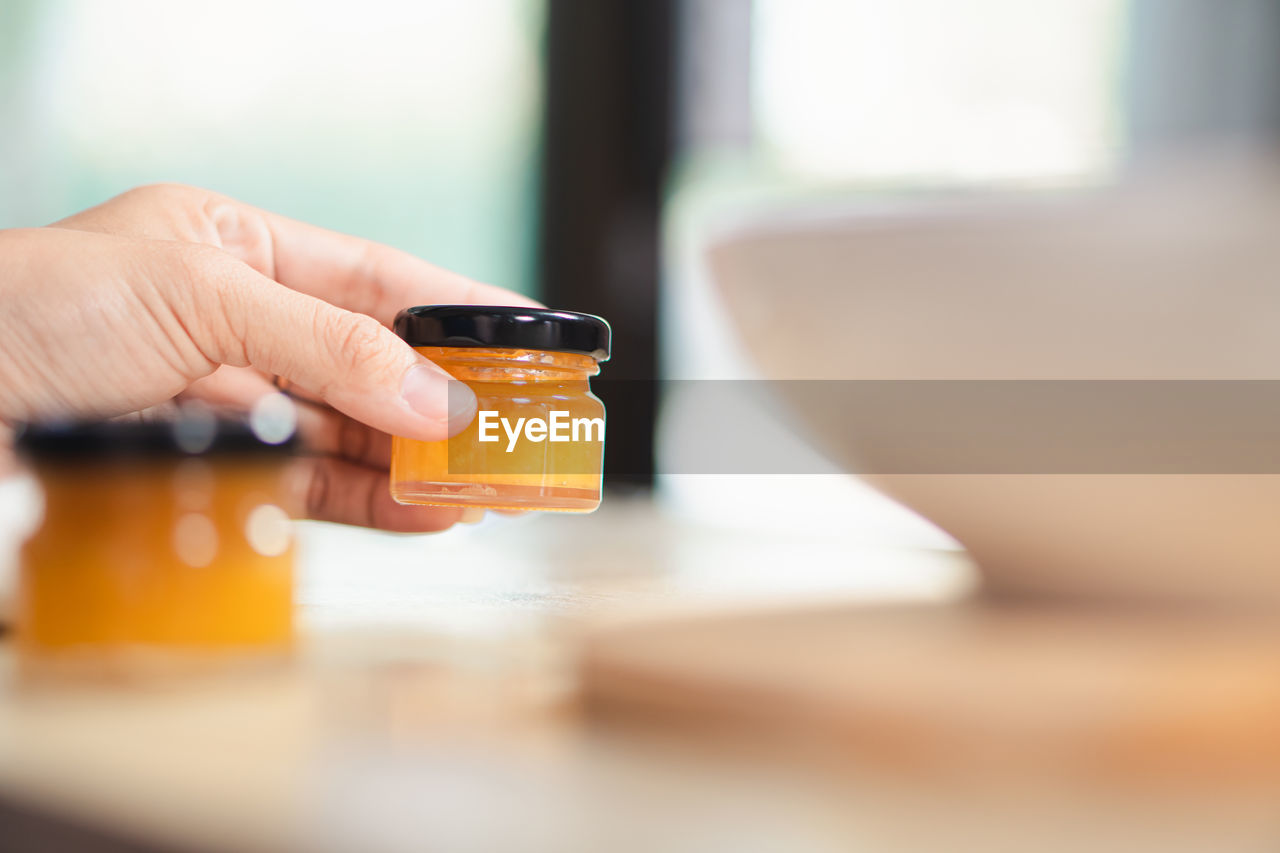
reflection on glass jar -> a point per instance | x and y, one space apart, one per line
164 547
537 441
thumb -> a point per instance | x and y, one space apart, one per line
350 360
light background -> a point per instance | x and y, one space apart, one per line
418 123
413 123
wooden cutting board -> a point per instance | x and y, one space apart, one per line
1049 689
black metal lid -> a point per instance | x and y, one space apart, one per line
190 434
504 328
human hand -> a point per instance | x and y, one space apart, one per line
173 292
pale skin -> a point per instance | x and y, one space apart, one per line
170 293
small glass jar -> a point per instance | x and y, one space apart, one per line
165 547
537 441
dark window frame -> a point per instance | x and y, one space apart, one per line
608 138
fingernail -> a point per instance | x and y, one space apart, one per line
432 393
471 515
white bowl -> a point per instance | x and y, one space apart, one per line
1176 276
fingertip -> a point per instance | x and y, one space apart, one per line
463 406
447 405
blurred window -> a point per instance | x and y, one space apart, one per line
413 122
789 103
832 100
939 89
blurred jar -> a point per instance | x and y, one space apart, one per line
164 547
537 441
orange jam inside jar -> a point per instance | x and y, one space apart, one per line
537 441
164 548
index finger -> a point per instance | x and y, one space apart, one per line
349 272
343 270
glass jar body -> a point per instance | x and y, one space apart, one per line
156 566
536 443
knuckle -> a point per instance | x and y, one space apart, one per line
367 284
220 209
359 339
240 232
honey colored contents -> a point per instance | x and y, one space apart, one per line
463 471
157 562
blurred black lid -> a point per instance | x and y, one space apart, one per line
189 434
504 328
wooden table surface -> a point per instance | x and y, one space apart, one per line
434 705
440 665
